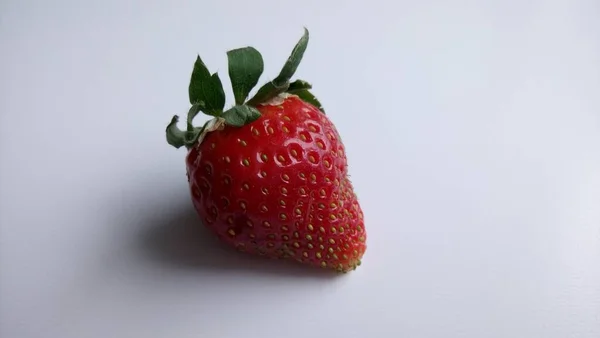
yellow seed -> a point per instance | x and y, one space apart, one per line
284 228
231 232
341 230
294 152
245 162
332 241
312 128
283 191
327 164
303 137
267 224
243 143
312 159
270 130
333 230
310 246
296 234
313 177
305 254
311 227
303 177
246 186
332 217
296 245
227 159
318 254
321 246
243 205
323 264
264 157
286 118
263 174
282 202
255 132
298 211
320 144
309 237
283 217
323 192
330 250
285 177
335 256
361 238
285 129
285 237
322 229
321 206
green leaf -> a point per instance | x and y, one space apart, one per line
307 96
301 88
266 92
179 138
219 95
175 136
241 115
281 83
191 136
245 68
206 90
298 85
293 61
194 110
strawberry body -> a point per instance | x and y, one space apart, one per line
279 187
269 175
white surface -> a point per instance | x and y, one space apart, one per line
472 130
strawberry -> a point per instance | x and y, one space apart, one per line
269 175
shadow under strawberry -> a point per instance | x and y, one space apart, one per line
181 241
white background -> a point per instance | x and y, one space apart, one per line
473 135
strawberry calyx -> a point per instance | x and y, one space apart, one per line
245 66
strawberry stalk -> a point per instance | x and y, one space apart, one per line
245 66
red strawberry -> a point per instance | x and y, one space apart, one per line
269 176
